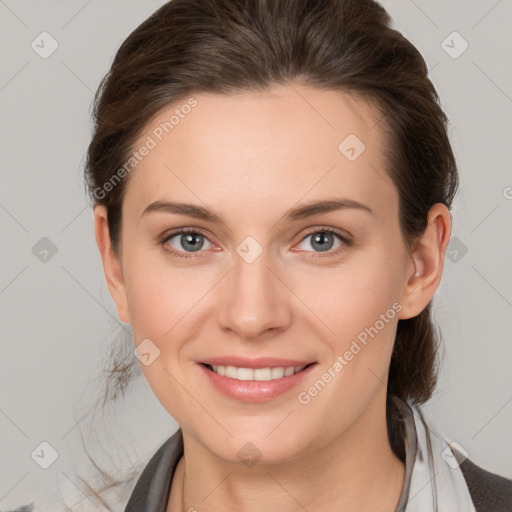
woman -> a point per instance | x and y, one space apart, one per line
272 183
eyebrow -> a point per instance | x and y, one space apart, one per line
295 214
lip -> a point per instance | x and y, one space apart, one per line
259 362
252 390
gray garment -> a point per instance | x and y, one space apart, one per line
151 492
489 492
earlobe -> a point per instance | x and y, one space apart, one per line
111 263
426 265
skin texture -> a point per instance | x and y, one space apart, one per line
251 157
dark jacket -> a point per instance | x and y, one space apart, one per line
489 492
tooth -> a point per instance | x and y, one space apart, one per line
277 373
289 370
262 374
245 374
231 372
258 374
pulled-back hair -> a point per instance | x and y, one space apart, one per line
226 46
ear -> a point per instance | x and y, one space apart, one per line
426 265
111 263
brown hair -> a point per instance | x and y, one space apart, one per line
191 46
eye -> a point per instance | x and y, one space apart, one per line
185 241
323 240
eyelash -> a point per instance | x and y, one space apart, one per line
347 242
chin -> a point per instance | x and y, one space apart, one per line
256 445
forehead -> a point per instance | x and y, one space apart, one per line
252 150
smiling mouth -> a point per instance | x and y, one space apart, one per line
256 374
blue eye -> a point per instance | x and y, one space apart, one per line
187 240
191 240
323 241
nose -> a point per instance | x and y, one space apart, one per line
254 298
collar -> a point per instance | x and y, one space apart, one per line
432 483
151 492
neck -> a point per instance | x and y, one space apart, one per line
356 471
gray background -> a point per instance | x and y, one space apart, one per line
57 317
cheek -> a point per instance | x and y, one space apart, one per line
353 296
160 295
361 312
147 302
359 306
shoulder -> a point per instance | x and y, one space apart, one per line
153 486
489 491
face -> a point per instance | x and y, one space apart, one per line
263 282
